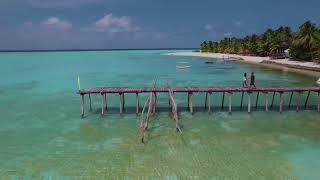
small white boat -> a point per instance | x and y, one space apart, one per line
182 62
318 82
183 67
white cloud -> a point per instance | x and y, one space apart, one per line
238 24
208 27
113 24
56 23
59 3
227 34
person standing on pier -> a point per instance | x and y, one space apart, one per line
244 81
252 81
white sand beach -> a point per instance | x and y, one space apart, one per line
311 66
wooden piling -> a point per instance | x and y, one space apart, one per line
257 99
222 104
280 102
190 103
209 102
241 104
230 110
105 101
102 104
137 103
249 102
121 103
290 100
154 103
90 107
318 101
306 103
82 105
298 102
267 110
274 93
206 101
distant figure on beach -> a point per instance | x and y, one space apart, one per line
244 80
252 81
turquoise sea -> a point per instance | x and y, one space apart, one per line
42 135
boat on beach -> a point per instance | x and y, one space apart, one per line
183 67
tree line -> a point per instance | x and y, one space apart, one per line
304 44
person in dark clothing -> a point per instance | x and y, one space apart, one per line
252 81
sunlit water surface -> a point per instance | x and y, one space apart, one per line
43 136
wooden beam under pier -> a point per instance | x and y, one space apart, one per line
105 99
209 102
274 93
121 103
230 108
290 99
257 99
90 107
306 103
298 101
82 105
137 103
190 103
266 93
249 102
280 102
241 103
206 101
318 102
222 104
102 104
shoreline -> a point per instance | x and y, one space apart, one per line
300 65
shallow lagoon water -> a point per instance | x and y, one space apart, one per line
43 136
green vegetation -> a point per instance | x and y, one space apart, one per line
304 44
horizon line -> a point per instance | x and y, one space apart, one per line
111 49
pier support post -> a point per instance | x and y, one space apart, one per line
206 101
222 104
306 103
290 100
102 104
154 103
137 103
318 102
298 101
267 110
274 93
190 103
280 103
257 100
230 103
249 102
105 101
241 103
82 105
90 107
121 103
209 102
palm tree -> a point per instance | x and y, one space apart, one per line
307 36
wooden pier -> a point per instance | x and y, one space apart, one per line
103 91
151 102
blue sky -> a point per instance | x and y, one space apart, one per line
86 24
